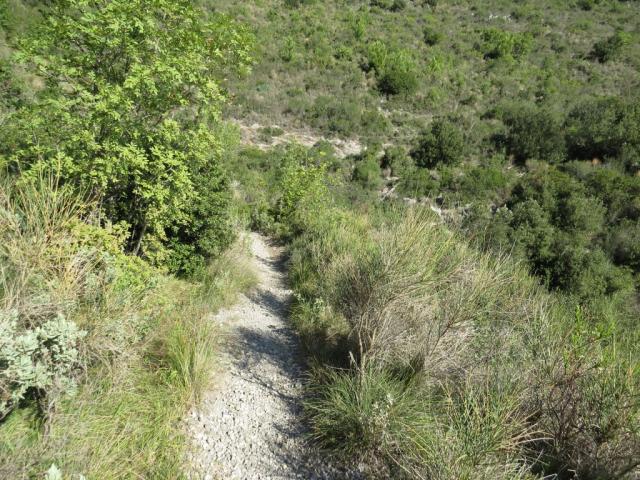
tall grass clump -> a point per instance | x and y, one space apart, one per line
436 361
101 354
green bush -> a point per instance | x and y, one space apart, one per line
397 161
419 182
623 244
301 188
338 117
431 36
588 5
396 69
367 171
441 144
43 360
362 415
603 127
489 181
506 45
534 133
133 109
612 47
393 5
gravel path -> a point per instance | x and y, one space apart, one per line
249 426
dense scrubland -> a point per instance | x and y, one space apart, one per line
499 344
495 339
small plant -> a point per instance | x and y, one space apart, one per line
365 415
431 37
43 360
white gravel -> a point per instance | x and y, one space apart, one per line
250 425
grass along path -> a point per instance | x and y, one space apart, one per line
250 425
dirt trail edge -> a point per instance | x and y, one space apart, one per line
250 425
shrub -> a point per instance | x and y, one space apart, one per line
612 47
49 269
603 127
591 433
132 109
301 187
398 161
43 360
459 366
400 75
503 44
534 133
441 144
367 171
588 5
623 244
431 36
490 181
367 416
419 182
396 69
393 5
338 117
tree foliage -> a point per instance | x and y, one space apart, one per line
132 89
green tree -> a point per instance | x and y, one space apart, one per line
131 94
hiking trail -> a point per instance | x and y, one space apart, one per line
250 425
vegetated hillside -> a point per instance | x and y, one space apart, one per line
431 360
382 69
520 119
111 185
433 357
520 123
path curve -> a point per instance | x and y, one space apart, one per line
250 426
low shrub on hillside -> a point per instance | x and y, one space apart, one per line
503 44
397 161
603 128
612 47
366 171
441 144
396 69
431 36
100 354
392 5
534 133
